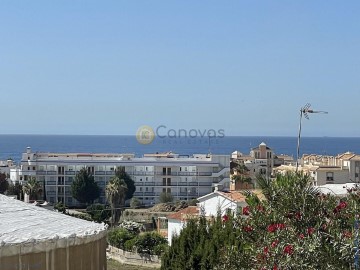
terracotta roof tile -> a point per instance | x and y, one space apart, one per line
237 196
184 214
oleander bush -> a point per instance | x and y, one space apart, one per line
295 227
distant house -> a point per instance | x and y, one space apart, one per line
220 202
177 221
210 205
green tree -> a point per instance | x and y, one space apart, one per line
84 188
32 188
130 185
4 184
165 197
135 203
117 237
99 212
115 192
147 243
15 189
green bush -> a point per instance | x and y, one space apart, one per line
130 244
60 207
165 197
99 213
147 243
117 237
135 203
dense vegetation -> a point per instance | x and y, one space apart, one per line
296 227
128 236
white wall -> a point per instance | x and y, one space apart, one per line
215 202
174 227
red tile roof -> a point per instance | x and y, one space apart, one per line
184 214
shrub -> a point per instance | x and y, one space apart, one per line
135 203
117 237
165 197
99 212
132 226
147 243
60 207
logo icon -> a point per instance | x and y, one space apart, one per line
145 135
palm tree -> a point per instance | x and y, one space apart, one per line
32 188
115 192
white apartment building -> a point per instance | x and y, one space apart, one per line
185 177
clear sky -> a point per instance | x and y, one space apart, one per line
107 67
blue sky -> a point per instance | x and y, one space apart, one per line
108 67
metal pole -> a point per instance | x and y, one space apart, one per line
298 142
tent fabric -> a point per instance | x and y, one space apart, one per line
35 238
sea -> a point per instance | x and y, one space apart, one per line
12 146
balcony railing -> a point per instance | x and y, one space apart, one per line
51 183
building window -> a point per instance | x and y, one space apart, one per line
329 177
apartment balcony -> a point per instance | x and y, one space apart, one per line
149 193
68 182
50 192
70 172
40 172
110 173
99 172
204 173
50 183
51 172
140 173
187 173
138 193
29 173
148 183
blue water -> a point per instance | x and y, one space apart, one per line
14 145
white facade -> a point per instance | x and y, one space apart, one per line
218 203
185 177
174 228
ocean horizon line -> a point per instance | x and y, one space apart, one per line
178 137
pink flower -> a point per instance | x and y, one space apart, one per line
225 218
274 243
301 236
310 230
246 211
275 227
288 249
248 228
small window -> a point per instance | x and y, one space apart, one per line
28 168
